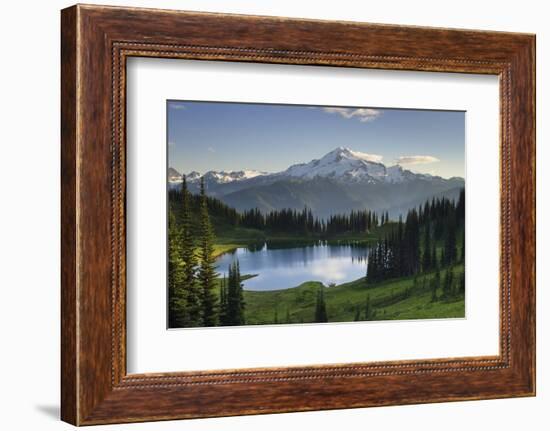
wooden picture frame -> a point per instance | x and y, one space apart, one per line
95 43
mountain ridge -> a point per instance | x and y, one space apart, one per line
341 162
339 181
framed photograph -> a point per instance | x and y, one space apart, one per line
324 214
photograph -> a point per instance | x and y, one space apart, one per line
291 214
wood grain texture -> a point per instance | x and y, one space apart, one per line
96 41
69 366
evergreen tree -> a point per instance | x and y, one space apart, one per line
287 318
193 308
320 307
450 241
176 295
411 243
223 302
239 295
372 265
207 270
427 254
436 282
400 249
235 299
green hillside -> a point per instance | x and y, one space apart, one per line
389 300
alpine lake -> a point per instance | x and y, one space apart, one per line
282 266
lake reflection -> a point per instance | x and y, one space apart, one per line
282 268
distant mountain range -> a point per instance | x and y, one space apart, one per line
340 181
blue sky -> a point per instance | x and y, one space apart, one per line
205 136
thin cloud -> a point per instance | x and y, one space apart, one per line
178 106
416 160
366 156
211 150
364 115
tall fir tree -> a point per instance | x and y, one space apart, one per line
239 295
234 311
193 308
400 249
450 241
412 242
223 301
207 270
176 294
436 284
372 265
427 253
320 307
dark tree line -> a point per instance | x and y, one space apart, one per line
411 246
286 220
303 222
216 208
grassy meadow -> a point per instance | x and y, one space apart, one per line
395 299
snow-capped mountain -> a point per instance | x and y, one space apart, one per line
192 176
218 177
341 163
222 177
173 175
346 165
341 180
